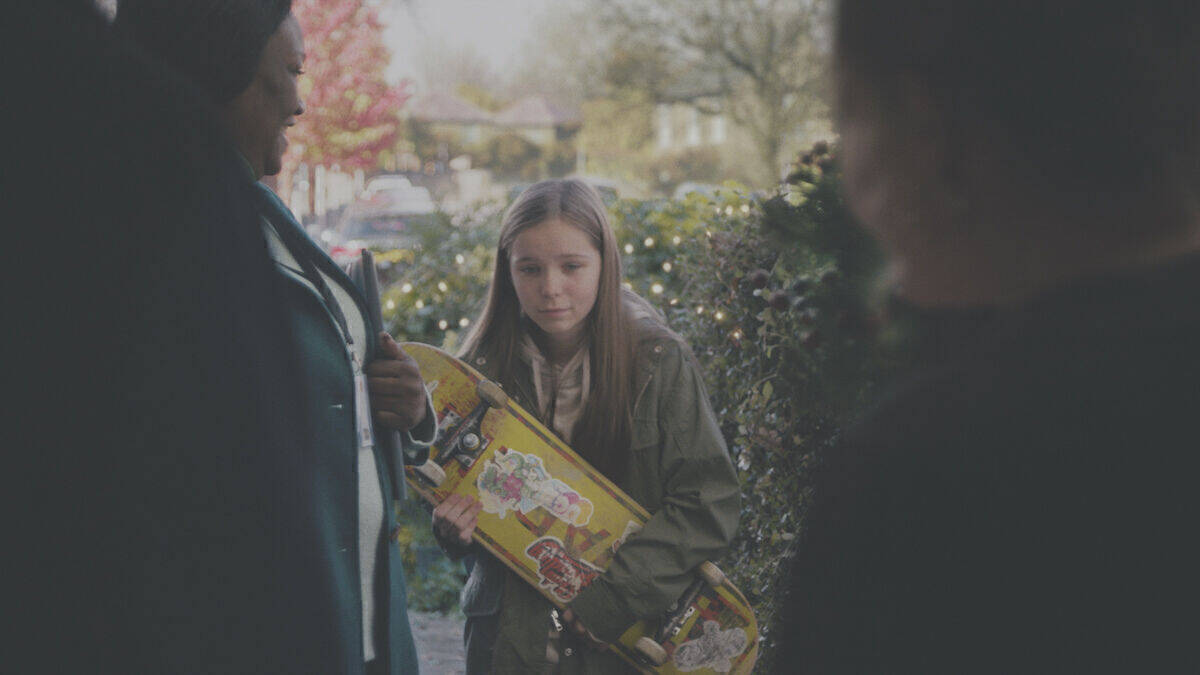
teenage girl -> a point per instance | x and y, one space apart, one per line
596 364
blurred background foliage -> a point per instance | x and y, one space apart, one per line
776 293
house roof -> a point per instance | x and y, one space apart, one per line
537 111
442 106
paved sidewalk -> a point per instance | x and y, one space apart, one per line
439 642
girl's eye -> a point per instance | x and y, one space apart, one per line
571 267
527 270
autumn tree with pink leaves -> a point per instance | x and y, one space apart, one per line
351 112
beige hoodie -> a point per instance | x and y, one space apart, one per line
562 391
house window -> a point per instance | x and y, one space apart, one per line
718 129
693 127
664 127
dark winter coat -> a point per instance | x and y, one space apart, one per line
329 413
1027 504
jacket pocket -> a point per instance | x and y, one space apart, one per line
481 595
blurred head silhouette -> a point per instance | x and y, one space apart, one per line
998 149
246 55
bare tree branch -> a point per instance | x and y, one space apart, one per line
763 53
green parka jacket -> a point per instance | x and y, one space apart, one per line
678 469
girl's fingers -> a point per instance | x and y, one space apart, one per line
463 518
456 517
451 508
465 533
446 504
445 514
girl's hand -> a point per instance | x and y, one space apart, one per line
455 518
575 625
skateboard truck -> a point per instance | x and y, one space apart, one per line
651 649
464 441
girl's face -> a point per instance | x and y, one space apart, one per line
555 269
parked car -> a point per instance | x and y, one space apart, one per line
382 220
385 182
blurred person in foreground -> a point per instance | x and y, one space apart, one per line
1027 503
161 485
246 56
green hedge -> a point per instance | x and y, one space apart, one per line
432 291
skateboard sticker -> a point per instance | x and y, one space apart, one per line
715 649
563 575
516 481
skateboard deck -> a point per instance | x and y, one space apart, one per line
557 522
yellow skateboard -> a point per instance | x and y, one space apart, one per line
557 522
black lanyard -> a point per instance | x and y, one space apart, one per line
301 251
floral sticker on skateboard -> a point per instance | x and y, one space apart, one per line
515 481
563 575
713 650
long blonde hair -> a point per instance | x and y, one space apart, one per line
604 431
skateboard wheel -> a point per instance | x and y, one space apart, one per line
492 394
651 650
711 574
431 472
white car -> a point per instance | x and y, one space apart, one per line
381 220
384 183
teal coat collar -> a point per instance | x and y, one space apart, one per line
281 218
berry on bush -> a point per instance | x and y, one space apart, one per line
801 285
780 301
758 278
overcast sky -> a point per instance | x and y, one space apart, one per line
496 28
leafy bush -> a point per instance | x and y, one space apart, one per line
431 143
432 291
560 157
696 164
433 580
510 155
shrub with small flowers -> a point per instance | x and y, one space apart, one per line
432 291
